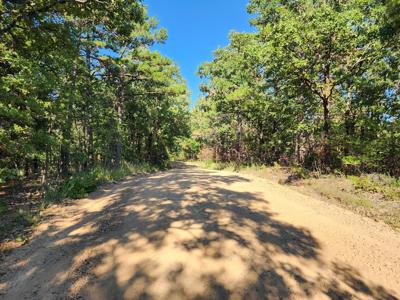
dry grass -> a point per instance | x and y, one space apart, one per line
339 189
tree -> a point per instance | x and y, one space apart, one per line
74 76
318 81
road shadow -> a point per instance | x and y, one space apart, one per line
180 234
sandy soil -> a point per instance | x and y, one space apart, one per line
193 234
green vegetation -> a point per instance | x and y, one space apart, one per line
212 165
80 185
387 186
81 89
339 190
188 148
316 85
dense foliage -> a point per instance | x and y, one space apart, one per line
317 83
80 87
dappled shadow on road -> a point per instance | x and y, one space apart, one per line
182 234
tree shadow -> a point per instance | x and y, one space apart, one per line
181 234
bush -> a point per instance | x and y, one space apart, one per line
300 172
78 186
10 174
351 164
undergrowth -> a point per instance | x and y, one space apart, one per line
388 186
80 185
335 189
212 165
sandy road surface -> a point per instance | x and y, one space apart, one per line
194 234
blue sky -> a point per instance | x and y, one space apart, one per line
195 29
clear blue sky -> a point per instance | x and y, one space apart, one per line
195 29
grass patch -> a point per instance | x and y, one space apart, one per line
373 195
338 190
385 185
212 165
393 220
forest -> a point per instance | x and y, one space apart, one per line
81 87
316 84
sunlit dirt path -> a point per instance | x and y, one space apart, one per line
188 233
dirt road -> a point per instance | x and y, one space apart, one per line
194 234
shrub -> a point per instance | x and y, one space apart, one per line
365 184
300 172
10 174
80 185
351 164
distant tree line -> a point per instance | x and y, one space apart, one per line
80 87
316 84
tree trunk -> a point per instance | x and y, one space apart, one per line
118 150
65 147
326 155
119 109
89 107
239 141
